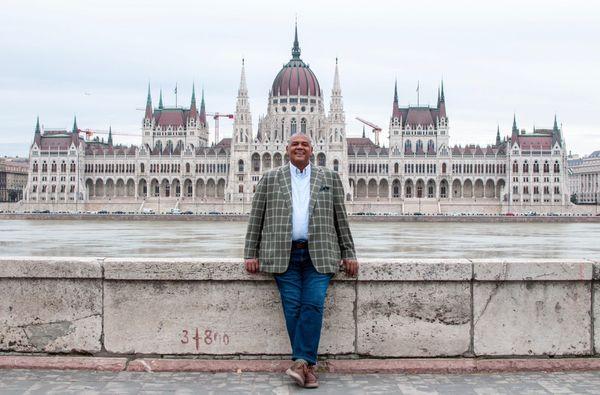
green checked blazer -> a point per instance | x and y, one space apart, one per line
269 234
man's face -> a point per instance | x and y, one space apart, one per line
299 150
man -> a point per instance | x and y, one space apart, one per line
298 230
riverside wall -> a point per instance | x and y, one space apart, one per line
214 309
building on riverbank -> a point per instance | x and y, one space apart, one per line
584 178
13 178
418 171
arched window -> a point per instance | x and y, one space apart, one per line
556 167
444 168
63 167
419 146
321 159
142 167
35 166
240 166
44 167
72 167
53 168
282 127
241 189
293 126
396 167
536 167
430 146
303 125
187 167
336 165
515 167
525 167
546 167
256 162
158 145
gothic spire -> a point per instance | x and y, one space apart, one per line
296 47
514 127
148 114
243 91
498 136
193 110
396 91
442 92
110 140
160 102
75 128
364 135
555 127
37 126
202 109
336 80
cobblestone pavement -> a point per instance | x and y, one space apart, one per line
71 382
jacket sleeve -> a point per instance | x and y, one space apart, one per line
256 220
342 227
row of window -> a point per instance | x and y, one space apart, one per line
53 167
368 168
44 189
478 168
536 190
536 167
125 168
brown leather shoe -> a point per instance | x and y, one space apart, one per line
311 380
298 372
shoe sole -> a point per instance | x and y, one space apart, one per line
297 378
315 385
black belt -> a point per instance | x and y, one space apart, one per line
299 244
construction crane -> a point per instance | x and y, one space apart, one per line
376 129
216 117
89 133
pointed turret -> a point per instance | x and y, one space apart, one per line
243 90
515 129
364 134
555 127
498 136
160 102
193 109
296 47
37 126
442 101
556 135
75 128
110 140
395 108
336 80
148 114
202 110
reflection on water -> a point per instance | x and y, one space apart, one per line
225 239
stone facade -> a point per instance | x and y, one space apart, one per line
584 178
13 179
419 171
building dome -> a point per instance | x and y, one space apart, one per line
296 77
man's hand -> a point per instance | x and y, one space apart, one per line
251 265
351 266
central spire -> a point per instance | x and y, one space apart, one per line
296 47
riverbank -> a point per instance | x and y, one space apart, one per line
352 218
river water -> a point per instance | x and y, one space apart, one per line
225 239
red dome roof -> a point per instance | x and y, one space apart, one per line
296 78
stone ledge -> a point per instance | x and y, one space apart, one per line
526 270
62 363
350 366
416 270
50 267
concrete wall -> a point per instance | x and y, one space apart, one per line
395 308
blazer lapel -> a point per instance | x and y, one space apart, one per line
285 183
316 179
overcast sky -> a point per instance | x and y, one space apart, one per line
95 58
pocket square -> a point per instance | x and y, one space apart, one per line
324 188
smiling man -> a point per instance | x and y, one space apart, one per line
298 230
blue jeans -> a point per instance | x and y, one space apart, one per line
303 290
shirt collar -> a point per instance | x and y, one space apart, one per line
297 172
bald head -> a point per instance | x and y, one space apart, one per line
299 149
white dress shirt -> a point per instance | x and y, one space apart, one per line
300 200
